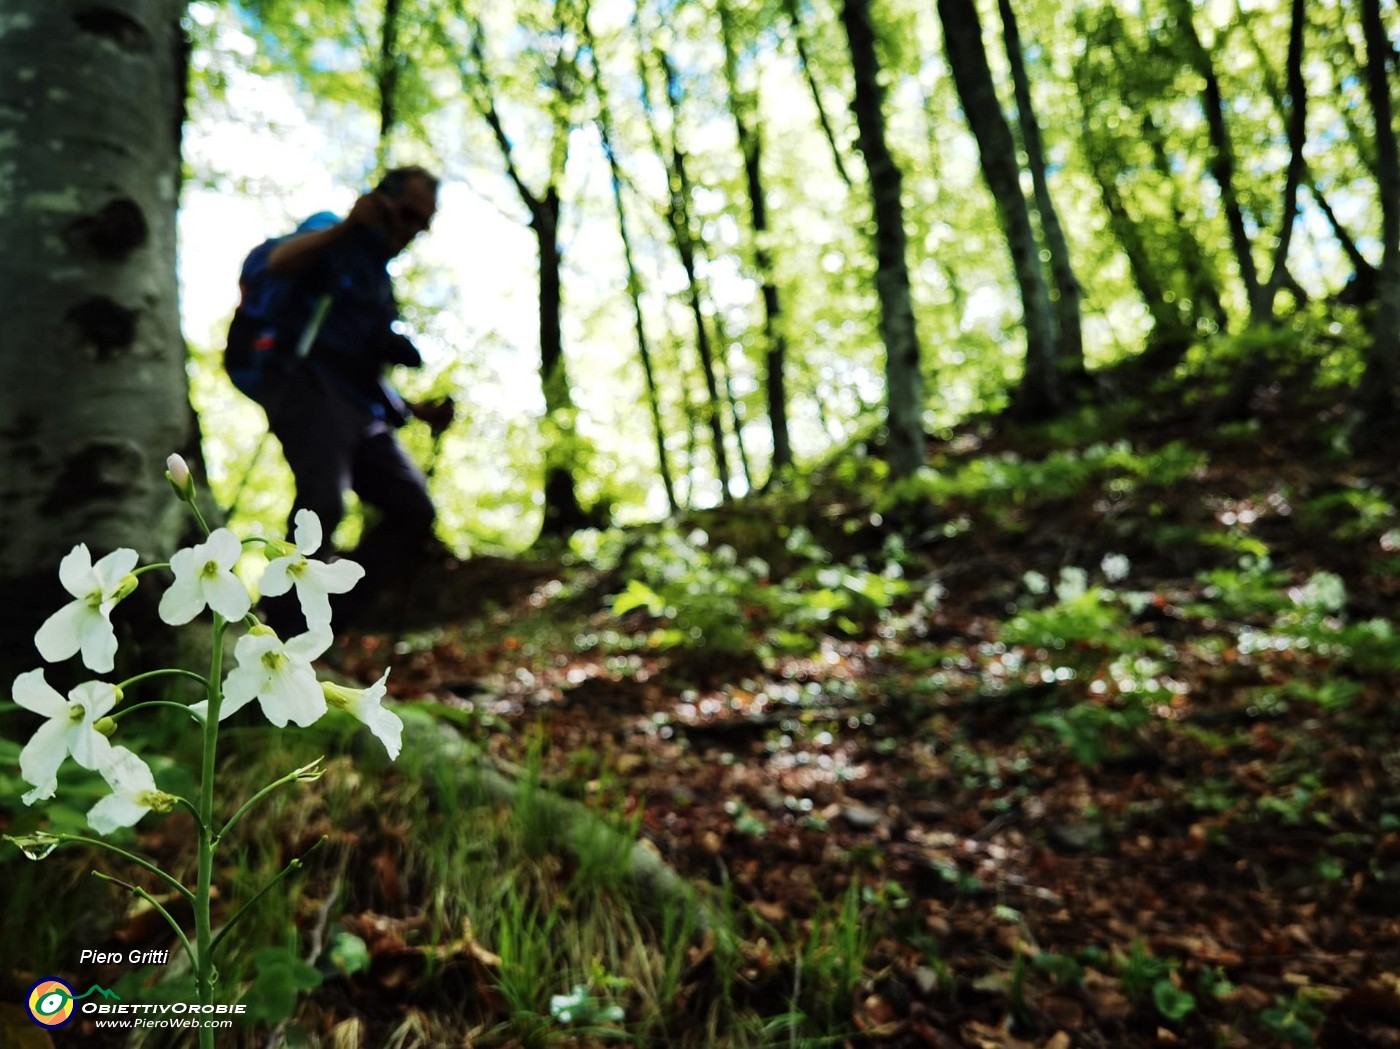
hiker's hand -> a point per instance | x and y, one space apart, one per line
437 414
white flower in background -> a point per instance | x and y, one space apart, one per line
1115 567
85 624
71 729
278 675
314 580
133 794
204 577
363 704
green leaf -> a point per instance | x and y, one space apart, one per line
1171 1001
638 595
282 976
348 953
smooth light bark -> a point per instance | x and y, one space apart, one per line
93 393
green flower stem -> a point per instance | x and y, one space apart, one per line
146 865
142 894
193 504
154 703
311 771
139 572
204 966
167 672
296 864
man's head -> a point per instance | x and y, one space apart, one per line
410 194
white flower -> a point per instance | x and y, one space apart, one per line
133 794
69 730
178 469
278 675
204 576
85 624
363 704
315 580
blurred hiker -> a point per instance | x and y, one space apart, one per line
315 332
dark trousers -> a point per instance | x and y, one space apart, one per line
335 444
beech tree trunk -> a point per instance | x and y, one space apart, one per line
93 394
1069 349
903 376
749 129
1039 394
1383 363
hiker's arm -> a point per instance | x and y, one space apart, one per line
298 252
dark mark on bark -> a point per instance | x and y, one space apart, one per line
109 328
112 234
117 26
104 469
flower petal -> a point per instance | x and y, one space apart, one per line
224 547
40 759
276 580
337 577
294 695
114 812
227 596
182 602
60 636
307 535
99 642
32 692
75 572
115 567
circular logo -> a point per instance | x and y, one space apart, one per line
50 1003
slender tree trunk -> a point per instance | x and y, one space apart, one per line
748 128
634 279
1377 396
1068 292
903 367
799 38
387 79
93 393
683 236
563 514
1040 394
1297 109
1222 158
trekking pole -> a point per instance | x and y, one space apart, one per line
303 349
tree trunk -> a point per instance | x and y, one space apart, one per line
1039 394
634 279
744 106
387 79
93 394
1377 397
794 16
1222 159
562 513
683 238
903 374
1068 292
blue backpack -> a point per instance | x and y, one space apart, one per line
274 325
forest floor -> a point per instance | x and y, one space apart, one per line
1151 800
1161 810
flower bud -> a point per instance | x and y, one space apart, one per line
105 726
125 588
177 472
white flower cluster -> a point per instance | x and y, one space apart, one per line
276 672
